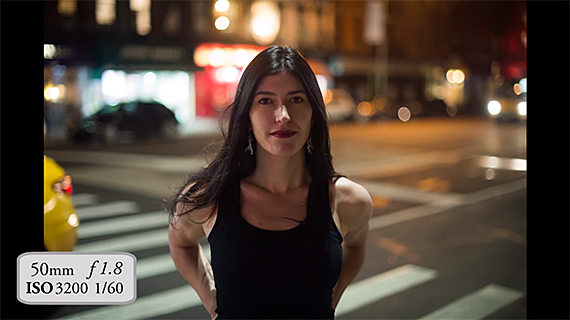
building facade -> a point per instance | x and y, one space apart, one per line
106 51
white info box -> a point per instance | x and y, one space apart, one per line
77 278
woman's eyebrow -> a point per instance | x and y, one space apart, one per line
269 93
296 91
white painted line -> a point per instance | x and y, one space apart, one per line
494 191
406 162
502 163
442 205
139 241
383 285
477 305
108 209
154 266
161 264
146 307
403 216
123 224
82 199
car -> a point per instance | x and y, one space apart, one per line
60 217
382 108
509 103
139 118
340 105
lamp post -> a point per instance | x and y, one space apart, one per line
375 34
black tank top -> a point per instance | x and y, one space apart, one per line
262 274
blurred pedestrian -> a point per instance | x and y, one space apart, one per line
287 233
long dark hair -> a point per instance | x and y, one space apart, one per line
232 163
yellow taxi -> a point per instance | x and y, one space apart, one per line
60 218
509 102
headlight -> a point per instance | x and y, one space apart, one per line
73 220
494 107
521 108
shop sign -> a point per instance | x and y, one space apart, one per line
152 53
225 55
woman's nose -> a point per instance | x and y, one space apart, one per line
282 114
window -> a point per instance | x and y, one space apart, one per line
67 7
105 12
142 8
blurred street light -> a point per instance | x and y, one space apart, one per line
222 5
494 107
455 76
223 15
265 21
222 23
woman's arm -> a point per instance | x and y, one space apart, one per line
354 208
189 258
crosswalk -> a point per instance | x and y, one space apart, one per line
121 226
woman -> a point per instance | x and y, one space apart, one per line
287 233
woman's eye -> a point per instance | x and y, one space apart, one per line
265 101
297 100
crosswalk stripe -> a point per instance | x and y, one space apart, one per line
156 265
134 242
478 304
412 213
381 286
108 209
123 224
150 306
403 216
81 199
405 193
173 300
161 264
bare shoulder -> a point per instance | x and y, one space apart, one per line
353 203
187 229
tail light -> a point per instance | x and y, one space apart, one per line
64 185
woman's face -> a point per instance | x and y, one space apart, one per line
280 115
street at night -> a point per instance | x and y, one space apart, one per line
426 105
447 238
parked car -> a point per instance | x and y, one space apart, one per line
141 119
509 103
340 105
60 218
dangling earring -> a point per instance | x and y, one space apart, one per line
249 146
309 146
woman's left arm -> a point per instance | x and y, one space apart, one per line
354 208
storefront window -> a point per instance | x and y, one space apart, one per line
105 12
67 7
174 89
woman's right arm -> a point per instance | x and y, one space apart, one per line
184 241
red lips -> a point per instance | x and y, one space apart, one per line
283 133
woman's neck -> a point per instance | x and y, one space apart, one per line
280 174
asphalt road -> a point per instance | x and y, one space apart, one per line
447 239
